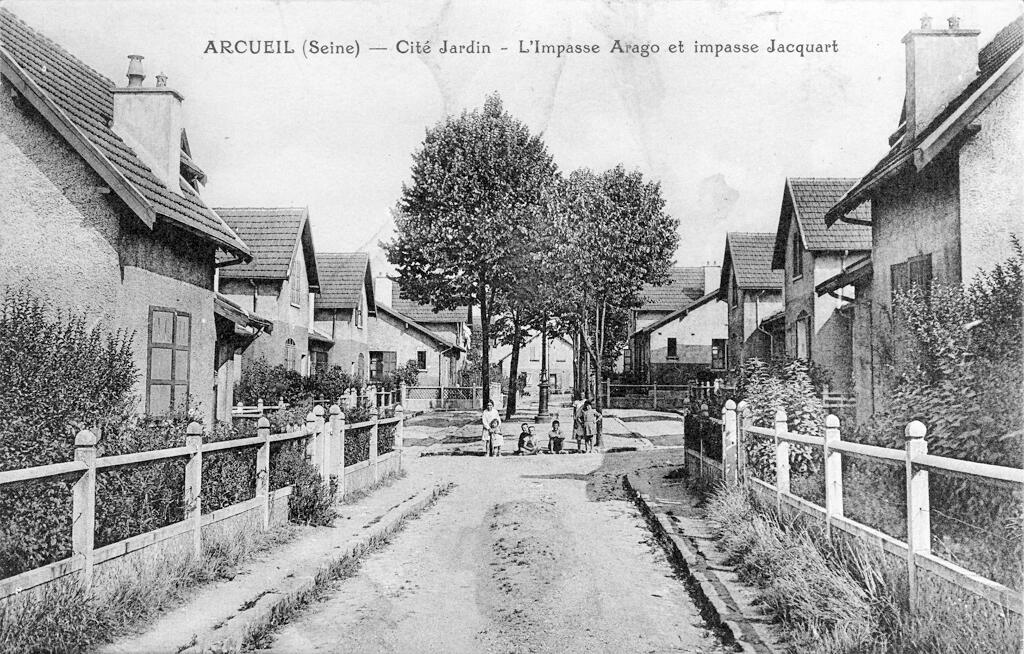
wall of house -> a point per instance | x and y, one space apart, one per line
388 334
756 306
349 340
693 333
63 236
862 351
560 356
991 194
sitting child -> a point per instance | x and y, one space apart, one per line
555 438
527 442
496 438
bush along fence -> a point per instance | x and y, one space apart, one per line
351 398
735 434
349 458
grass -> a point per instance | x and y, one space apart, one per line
352 497
60 617
842 595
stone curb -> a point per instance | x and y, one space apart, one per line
713 593
266 609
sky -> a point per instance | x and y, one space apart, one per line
336 133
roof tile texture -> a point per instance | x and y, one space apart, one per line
751 257
813 197
85 97
685 285
424 313
271 233
342 276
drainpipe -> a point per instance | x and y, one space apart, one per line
757 321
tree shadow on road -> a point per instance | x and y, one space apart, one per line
604 483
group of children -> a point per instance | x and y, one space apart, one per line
585 425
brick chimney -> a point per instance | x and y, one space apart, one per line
940 64
149 120
712 276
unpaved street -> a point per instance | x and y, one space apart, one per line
532 554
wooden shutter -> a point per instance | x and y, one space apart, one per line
899 279
673 350
919 272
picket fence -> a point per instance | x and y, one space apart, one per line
736 427
659 396
325 438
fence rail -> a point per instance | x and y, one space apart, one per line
660 396
325 438
735 428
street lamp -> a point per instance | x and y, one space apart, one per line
542 397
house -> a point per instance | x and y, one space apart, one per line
343 312
395 339
753 292
451 324
818 328
276 283
687 344
560 362
237 329
100 212
947 196
685 285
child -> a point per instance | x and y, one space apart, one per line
555 438
590 418
524 433
529 444
496 437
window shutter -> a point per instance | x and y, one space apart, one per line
899 279
920 272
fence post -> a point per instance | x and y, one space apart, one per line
375 415
729 461
194 485
340 430
403 389
399 428
607 393
440 394
83 507
781 458
263 470
655 395
745 419
312 444
332 435
323 445
259 405
833 473
919 530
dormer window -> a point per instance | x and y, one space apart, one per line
296 293
358 317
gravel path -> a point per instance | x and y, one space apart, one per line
527 554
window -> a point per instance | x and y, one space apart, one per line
916 271
673 349
358 314
382 364
421 359
735 292
170 338
319 361
290 359
798 257
296 292
718 354
534 352
803 336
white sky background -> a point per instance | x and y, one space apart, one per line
336 134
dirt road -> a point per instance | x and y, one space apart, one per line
532 554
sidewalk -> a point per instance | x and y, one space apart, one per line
219 616
675 517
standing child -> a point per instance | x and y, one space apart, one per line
555 438
496 438
590 418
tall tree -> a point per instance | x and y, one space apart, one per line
477 180
615 237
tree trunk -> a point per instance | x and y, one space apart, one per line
513 368
485 339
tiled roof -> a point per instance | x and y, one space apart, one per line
424 312
272 234
398 315
990 59
85 98
750 255
810 198
684 285
713 296
343 275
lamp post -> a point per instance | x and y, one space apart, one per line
542 397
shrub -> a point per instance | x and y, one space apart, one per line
329 384
787 385
260 380
310 502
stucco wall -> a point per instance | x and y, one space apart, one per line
63 237
862 351
991 190
693 333
388 334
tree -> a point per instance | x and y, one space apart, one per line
614 237
477 180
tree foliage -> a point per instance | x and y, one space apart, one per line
477 180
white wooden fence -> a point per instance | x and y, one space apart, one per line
325 447
736 425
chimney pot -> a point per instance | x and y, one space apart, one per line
926 22
954 22
161 80
135 72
